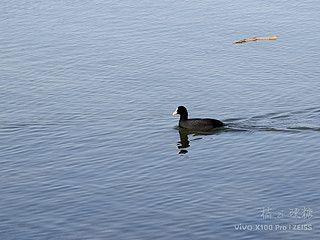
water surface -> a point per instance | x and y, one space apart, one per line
90 150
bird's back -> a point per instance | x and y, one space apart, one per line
200 124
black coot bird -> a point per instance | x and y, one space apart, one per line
197 124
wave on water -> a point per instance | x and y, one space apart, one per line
294 121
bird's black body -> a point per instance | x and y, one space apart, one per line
197 124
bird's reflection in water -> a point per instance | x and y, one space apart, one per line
184 139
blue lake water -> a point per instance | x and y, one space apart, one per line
90 149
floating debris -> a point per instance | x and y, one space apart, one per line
255 39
